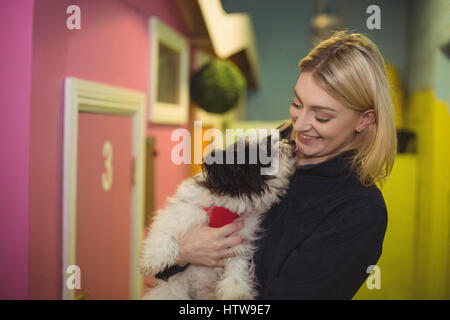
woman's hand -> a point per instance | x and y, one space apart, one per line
206 246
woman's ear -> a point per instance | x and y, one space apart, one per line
366 119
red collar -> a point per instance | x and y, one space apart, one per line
220 216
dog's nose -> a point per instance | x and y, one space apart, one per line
292 143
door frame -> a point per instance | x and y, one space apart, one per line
88 96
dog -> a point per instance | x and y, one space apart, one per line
239 188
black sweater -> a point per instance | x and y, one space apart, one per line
319 240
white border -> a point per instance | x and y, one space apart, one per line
88 96
159 112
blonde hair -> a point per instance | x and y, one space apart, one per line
351 69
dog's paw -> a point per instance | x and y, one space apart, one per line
233 289
160 252
237 296
147 269
151 265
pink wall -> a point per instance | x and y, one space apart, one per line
15 81
111 47
168 176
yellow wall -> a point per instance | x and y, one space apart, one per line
430 119
397 259
415 263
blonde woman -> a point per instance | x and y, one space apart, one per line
321 240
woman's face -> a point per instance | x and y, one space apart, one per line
322 124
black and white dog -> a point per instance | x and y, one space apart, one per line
238 187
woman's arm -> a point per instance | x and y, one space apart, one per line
206 246
332 263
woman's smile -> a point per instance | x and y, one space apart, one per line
306 139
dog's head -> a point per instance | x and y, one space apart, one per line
248 166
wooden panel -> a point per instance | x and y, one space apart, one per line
150 179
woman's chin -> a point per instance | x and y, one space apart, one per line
305 151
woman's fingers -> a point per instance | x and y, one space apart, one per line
228 241
207 246
220 263
230 228
231 241
228 253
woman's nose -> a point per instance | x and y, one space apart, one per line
301 122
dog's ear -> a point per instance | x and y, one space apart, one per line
214 166
285 130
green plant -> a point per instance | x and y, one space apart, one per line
217 86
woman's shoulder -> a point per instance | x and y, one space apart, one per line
337 205
357 195
338 191
363 203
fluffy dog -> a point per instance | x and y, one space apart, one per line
240 188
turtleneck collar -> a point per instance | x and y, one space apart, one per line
336 166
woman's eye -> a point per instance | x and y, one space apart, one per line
297 106
322 120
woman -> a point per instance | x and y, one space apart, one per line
321 240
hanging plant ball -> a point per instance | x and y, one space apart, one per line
217 86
